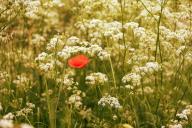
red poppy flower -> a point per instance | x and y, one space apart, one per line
79 61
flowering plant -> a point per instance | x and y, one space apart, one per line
79 61
95 63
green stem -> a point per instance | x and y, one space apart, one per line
133 107
51 111
113 73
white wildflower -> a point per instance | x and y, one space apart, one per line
73 40
46 67
32 8
41 57
6 123
134 78
131 25
9 116
109 101
96 78
103 55
180 50
176 126
54 43
182 116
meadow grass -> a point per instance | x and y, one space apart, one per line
96 64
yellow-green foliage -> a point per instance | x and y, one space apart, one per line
95 63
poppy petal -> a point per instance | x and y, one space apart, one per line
78 61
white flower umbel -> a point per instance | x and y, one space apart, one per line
6 123
103 55
182 116
26 111
9 116
41 57
132 78
73 40
149 68
180 50
96 79
32 8
26 126
131 25
76 100
109 101
54 43
94 49
46 67
176 126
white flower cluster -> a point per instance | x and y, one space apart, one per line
100 28
145 90
9 124
26 126
55 42
182 118
137 58
58 3
74 45
53 3
3 76
37 40
21 81
109 101
51 17
46 66
68 81
96 79
176 126
103 55
132 78
112 6
27 110
139 32
73 40
92 50
6 123
89 24
32 8
41 57
146 38
185 113
9 116
178 17
181 35
76 99
180 50
185 52
167 33
149 68
132 25
68 51
189 57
